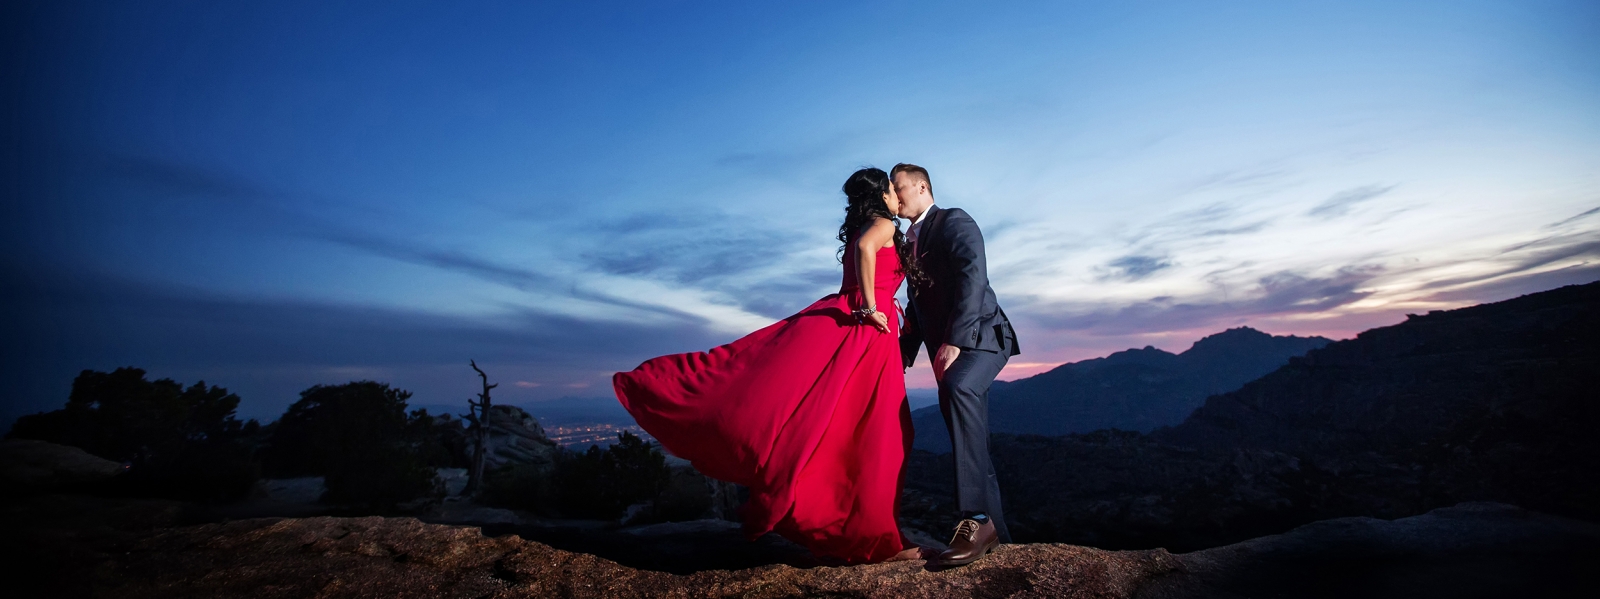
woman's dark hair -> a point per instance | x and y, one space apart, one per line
864 192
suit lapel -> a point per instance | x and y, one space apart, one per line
929 229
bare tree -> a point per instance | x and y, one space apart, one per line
478 416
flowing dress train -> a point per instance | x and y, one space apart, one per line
809 413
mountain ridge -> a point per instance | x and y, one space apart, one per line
1137 389
1494 402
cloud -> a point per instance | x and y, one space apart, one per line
1507 287
1196 218
190 180
1254 227
65 322
1133 268
1340 203
177 177
689 249
1278 293
1528 256
766 270
1361 292
1573 219
415 253
1235 178
199 183
1213 220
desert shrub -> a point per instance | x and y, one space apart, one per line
378 481
356 436
519 486
181 443
603 483
687 496
441 440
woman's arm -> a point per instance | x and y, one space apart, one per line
876 236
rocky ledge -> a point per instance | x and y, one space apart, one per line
1470 550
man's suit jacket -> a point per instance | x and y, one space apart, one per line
956 305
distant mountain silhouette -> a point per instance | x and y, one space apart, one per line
1496 402
1134 390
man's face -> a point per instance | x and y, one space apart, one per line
913 194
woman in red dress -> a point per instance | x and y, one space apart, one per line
810 412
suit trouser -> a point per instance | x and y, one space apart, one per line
964 402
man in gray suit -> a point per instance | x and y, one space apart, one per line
955 315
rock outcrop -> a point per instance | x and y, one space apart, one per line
133 551
403 557
30 467
515 437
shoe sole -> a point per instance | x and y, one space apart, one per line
986 549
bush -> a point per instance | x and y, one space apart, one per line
441 440
180 443
602 484
356 436
687 497
518 486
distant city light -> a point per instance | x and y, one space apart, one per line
581 436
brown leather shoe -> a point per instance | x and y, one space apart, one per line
971 541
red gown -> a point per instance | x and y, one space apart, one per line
810 413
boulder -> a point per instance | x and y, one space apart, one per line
29 467
516 438
451 481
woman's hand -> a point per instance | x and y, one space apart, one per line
880 321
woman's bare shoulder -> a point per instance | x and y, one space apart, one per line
878 226
880 231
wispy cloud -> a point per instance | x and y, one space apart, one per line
173 177
1525 258
1243 229
1133 268
1341 203
115 322
687 248
1580 216
1274 294
1239 178
691 252
762 269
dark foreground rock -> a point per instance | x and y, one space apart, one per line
81 547
1466 551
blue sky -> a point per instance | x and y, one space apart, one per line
277 196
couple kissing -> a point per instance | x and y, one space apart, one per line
810 413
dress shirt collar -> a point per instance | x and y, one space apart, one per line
921 217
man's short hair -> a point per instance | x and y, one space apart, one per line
917 171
